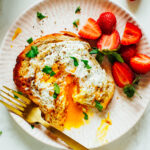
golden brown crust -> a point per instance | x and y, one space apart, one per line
107 66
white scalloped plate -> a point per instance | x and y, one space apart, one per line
124 113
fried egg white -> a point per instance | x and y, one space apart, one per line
57 55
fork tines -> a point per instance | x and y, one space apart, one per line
14 101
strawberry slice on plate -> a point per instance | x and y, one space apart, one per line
140 63
90 30
122 74
132 34
127 52
109 42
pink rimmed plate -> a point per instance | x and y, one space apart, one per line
123 113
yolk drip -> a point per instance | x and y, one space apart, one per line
103 128
74 111
17 32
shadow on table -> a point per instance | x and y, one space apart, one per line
133 5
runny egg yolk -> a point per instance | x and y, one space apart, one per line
103 128
74 111
17 32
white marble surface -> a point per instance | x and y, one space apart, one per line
14 138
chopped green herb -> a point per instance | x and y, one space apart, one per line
33 52
52 73
30 40
76 23
86 64
1 132
78 9
15 96
56 88
100 57
75 61
85 116
19 93
55 95
94 50
32 126
129 90
98 105
40 15
48 70
136 80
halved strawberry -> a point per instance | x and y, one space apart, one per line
140 63
127 52
90 30
132 34
109 42
122 74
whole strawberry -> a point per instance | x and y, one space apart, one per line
107 22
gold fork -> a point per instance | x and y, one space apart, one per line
25 108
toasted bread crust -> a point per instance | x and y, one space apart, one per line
22 63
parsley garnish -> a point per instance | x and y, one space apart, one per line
48 70
1 132
56 90
15 96
30 40
129 89
32 126
78 9
52 73
98 105
85 116
86 64
76 23
54 95
33 52
40 15
75 61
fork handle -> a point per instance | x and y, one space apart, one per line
72 143
68 140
